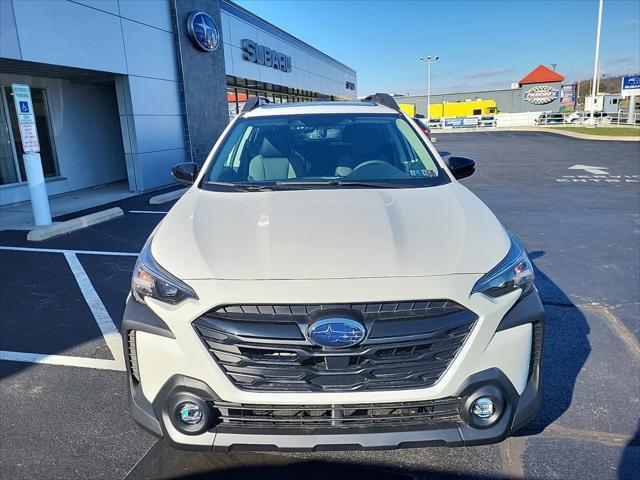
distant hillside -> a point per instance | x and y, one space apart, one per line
607 85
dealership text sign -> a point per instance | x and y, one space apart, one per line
541 95
630 86
262 55
26 118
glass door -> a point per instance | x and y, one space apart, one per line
45 134
8 163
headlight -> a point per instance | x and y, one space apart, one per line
151 280
513 272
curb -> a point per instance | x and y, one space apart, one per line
167 197
558 131
74 224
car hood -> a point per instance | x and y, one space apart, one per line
329 233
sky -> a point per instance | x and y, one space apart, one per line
482 44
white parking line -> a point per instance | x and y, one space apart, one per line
102 317
99 363
60 250
147 211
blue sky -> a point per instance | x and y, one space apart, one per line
482 44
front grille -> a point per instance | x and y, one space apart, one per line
426 414
264 348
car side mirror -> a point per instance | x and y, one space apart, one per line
185 173
461 167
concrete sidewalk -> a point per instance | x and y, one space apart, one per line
20 217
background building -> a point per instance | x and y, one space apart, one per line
604 102
122 91
538 91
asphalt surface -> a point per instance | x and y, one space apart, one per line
582 230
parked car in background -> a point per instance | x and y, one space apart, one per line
575 117
584 117
487 121
435 123
424 126
547 118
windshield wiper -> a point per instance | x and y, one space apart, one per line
337 183
245 187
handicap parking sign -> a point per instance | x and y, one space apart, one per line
24 107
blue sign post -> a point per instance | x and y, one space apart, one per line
631 88
31 154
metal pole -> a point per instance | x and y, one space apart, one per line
428 91
37 189
595 64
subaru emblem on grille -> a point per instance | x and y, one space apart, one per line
336 332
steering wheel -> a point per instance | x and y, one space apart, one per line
373 162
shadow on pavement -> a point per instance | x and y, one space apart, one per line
565 350
630 460
165 463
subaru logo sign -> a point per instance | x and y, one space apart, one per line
336 332
203 31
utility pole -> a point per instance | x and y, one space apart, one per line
429 60
595 64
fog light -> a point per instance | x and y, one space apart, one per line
190 413
483 407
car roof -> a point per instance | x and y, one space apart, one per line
306 108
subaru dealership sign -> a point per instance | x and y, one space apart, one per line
630 86
203 31
541 95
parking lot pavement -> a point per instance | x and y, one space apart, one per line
63 390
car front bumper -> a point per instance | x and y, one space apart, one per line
520 323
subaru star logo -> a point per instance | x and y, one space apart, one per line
203 31
336 332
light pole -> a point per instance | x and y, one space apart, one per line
429 60
594 84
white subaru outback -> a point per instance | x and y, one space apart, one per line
326 283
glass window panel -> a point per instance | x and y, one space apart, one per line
8 172
242 98
41 110
232 102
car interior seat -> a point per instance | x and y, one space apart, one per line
277 160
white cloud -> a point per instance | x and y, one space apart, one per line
491 72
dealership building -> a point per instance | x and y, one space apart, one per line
541 90
124 89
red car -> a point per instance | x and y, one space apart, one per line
422 124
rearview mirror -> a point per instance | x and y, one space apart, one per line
461 167
185 173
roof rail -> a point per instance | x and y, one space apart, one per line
253 103
383 99
321 97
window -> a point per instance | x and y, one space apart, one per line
12 171
477 111
242 98
232 102
323 151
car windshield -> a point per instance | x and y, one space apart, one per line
323 151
